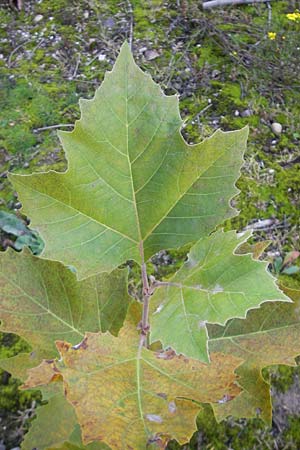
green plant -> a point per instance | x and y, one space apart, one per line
285 265
18 235
122 373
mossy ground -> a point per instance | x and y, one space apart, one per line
229 74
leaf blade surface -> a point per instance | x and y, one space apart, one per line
151 396
132 181
269 335
212 286
42 301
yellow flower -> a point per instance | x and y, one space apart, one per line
295 16
272 35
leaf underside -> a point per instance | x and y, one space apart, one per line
132 181
213 286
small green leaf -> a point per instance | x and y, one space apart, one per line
212 286
132 181
291 270
42 301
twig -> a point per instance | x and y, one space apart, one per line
76 67
147 292
15 50
214 3
53 126
196 116
269 13
130 12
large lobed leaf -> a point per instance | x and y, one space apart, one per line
213 286
132 181
269 335
130 397
42 301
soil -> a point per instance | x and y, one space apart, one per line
231 67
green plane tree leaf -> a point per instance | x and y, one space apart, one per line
212 286
133 185
42 301
269 335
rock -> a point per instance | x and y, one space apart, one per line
247 113
38 18
151 54
276 128
215 73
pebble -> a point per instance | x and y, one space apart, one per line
247 113
38 18
276 128
151 54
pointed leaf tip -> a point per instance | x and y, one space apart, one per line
213 286
131 180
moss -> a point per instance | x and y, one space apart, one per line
292 434
224 57
11 399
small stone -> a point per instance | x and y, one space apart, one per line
109 23
215 73
247 113
38 18
276 128
236 113
86 14
151 54
101 57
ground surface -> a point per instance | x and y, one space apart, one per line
231 67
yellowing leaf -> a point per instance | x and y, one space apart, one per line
130 397
42 301
132 181
269 335
213 286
